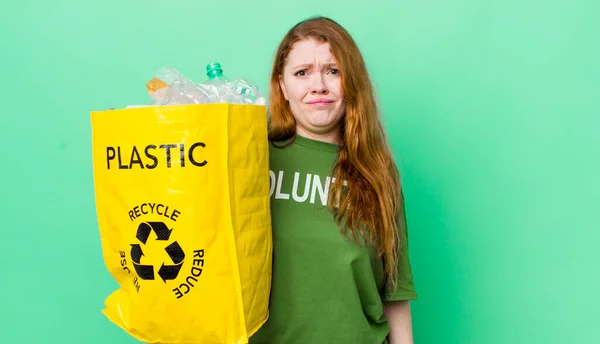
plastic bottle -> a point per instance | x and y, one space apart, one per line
235 91
170 87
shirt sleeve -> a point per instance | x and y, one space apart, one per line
405 289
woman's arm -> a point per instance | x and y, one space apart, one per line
399 318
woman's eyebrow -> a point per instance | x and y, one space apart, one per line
310 65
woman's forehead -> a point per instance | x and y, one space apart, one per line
310 52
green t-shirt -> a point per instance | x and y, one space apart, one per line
325 288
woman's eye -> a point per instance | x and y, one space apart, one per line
335 71
300 73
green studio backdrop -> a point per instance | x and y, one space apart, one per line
491 107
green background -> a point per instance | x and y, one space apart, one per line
491 106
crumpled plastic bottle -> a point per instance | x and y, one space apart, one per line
234 91
170 87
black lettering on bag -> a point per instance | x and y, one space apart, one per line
191 154
195 272
191 278
137 160
168 152
182 154
110 155
121 166
151 157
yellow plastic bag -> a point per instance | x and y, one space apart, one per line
182 199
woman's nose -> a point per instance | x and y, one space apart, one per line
318 86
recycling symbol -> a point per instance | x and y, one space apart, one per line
163 233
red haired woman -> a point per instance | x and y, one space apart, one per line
341 272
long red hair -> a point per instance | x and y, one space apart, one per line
371 207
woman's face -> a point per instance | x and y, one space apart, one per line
312 86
